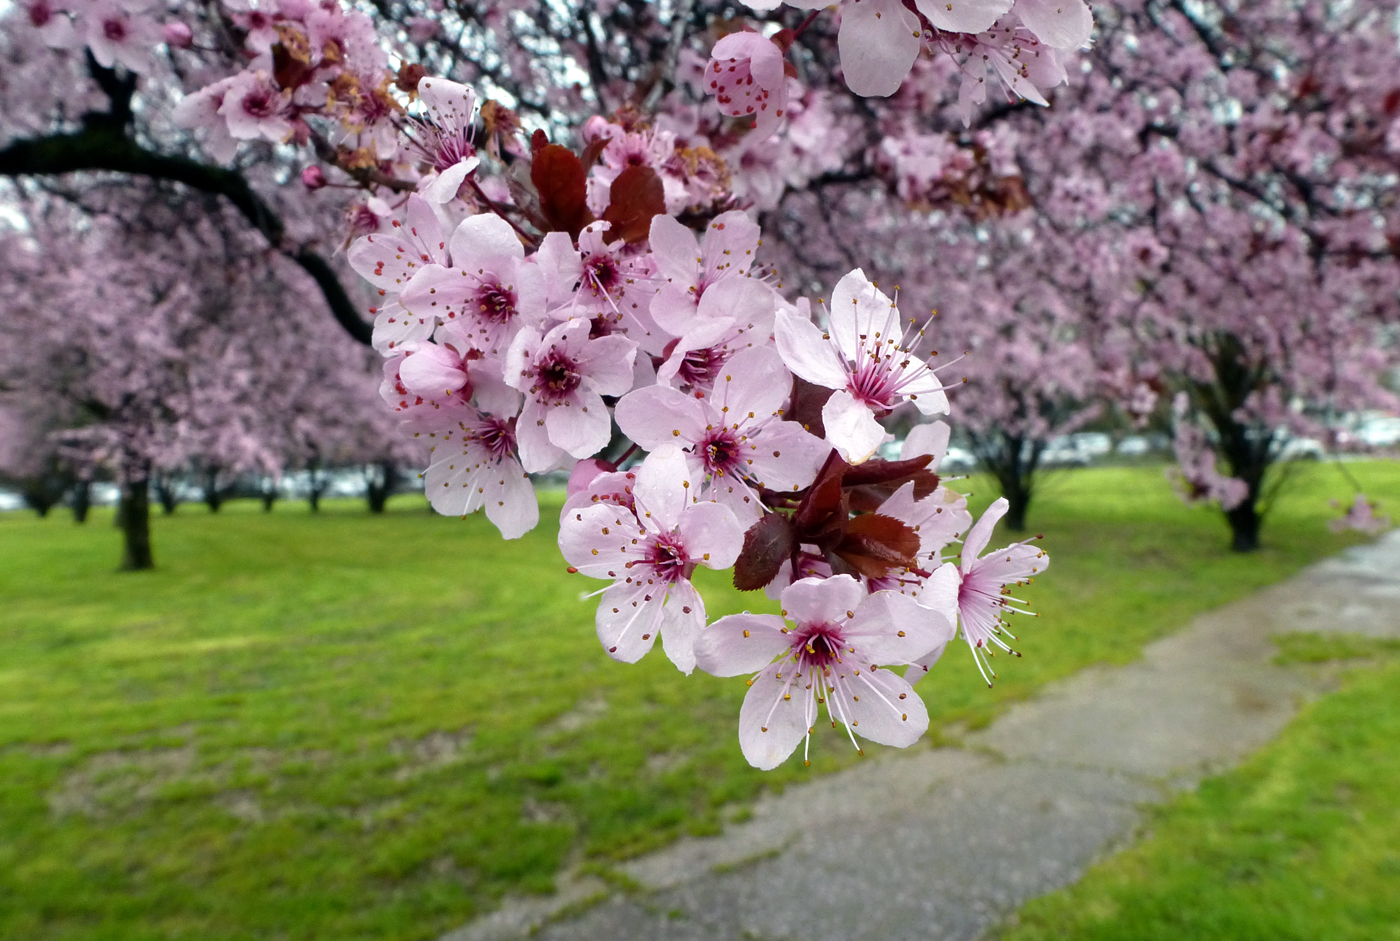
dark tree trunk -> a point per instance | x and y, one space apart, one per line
1018 498
269 497
135 516
1244 526
1248 450
377 492
1012 460
165 494
314 497
213 496
82 500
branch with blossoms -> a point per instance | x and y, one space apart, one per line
540 307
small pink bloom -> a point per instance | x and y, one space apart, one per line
255 107
649 553
390 261
444 139
838 652
313 178
177 35
489 288
690 267
734 438
862 356
564 375
982 589
746 76
118 34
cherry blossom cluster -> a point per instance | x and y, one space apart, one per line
306 60
1020 44
702 420
1195 477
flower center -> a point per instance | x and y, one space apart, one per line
496 303
40 14
600 272
818 645
720 452
668 558
497 435
259 104
700 367
114 30
556 376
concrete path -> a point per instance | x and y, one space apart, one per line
939 845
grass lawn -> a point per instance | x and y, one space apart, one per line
342 726
1301 843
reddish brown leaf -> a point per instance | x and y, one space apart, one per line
876 471
807 403
593 151
538 141
823 511
561 181
875 545
291 68
635 197
767 543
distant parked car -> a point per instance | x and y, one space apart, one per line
1301 449
1134 446
1092 443
1063 451
958 461
1380 431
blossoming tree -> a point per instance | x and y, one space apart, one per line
542 307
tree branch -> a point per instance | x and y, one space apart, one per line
100 146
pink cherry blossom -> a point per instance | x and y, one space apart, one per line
118 33
389 261
734 438
837 653
982 589
52 23
746 77
564 375
733 315
690 267
489 287
1361 516
475 465
444 138
650 553
254 107
863 358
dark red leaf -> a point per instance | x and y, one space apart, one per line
876 471
872 483
869 497
635 197
538 141
593 151
291 67
562 182
875 545
807 403
823 510
767 543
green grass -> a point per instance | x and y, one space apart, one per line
1301 843
347 727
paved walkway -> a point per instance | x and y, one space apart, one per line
939 845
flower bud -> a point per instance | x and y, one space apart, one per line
177 35
313 178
